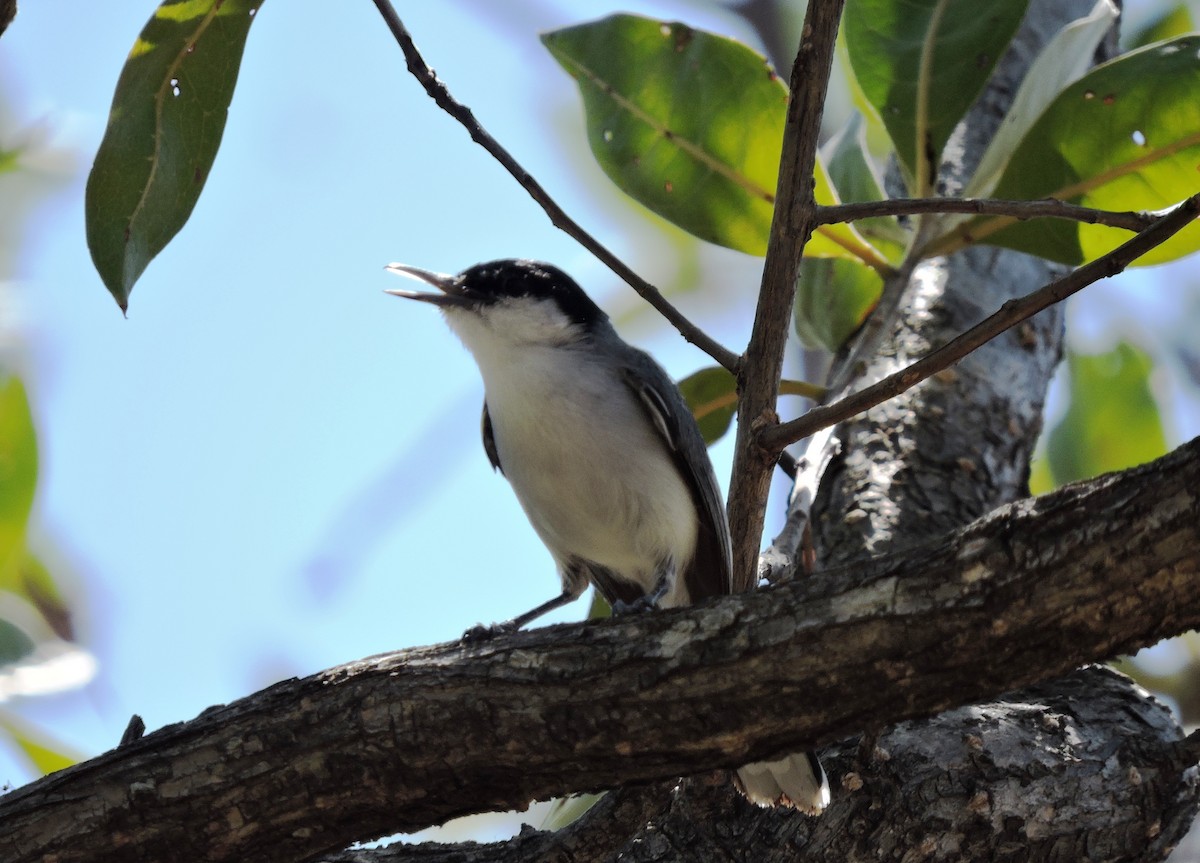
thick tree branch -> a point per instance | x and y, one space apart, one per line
1080 769
1130 220
1013 312
791 227
558 216
308 766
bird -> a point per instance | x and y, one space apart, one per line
604 457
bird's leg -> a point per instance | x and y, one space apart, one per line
646 602
480 632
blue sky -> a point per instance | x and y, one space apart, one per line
270 467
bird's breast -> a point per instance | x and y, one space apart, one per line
594 476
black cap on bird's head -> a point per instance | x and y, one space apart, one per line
508 279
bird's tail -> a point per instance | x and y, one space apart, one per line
796 780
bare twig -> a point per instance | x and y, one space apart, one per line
1010 314
1130 220
791 228
558 217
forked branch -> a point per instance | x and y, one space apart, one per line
775 438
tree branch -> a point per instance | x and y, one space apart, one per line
558 217
1130 220
1013 312
366 749
791 227
1084 768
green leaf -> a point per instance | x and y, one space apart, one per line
27 577
46 755
833 298
1065 59
1126 136
18 468
712 395
1112 422
1173 22
921 63
15 643
9 159
690 125
164 128
854 179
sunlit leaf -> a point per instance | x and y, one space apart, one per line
1040 478
568 810
921 63
164 128
18 468
833 298
45 754
690 125
1112 421
1172 22
1064 59
712 395
1126 136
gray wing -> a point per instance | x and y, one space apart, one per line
489 440
710 572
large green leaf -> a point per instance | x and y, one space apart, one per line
833 297
1126 136
1112 421
165 126
18 468
690 125
1066 58
921 63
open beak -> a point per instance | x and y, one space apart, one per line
450 286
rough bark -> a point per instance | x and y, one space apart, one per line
1065 771
405 740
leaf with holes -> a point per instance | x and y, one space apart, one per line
690 125
1126 136
164 128
1066 58
921 63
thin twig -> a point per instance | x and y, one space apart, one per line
558 217
1130 220
1010 314
791 227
